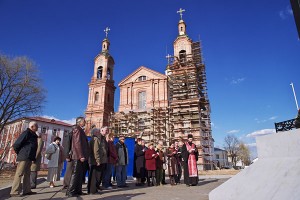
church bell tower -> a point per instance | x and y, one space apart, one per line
188 99
101 88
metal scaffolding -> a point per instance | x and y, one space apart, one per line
150 125
188 102
188 110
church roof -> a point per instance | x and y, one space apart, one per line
106 55
156 74
42 119
218 149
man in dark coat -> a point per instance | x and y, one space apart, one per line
139 162
67 144
178 147
121 171
36 166
79 155
25 147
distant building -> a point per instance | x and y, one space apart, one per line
221 158
49 128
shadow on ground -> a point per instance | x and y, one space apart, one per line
92 197
207 182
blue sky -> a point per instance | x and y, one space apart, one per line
251 50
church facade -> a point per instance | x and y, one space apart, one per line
153 105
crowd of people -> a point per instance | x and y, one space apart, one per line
152 162
99 157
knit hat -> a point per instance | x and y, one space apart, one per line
150 143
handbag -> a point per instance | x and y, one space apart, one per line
49 155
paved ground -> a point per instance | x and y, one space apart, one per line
166 192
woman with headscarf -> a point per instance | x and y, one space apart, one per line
139 162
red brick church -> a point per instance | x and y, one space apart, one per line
153 105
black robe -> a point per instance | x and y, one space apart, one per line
139 161
185 156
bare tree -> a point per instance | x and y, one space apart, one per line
244 154
231 145
21 91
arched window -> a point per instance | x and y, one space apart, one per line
182 56
142 100
142 78
99 72
108 73
96 97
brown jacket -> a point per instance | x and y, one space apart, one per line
80 145
112 153
36 166
98 150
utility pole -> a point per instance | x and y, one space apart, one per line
295 96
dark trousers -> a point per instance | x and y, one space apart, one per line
159 176
95 177
186 173
187 179
33 179
75 187
178 177
163 180
151 174
121 175
85 170
107 175
68 174
146 175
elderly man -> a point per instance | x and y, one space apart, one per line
68 155
36 166
25 147
122 162
111 162
178 148
79 155
98 159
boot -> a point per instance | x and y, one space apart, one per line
153 181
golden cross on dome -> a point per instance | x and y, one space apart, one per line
180 11
106 31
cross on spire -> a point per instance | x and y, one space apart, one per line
180 11
168 58
106 31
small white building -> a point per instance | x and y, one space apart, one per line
49 129
221 158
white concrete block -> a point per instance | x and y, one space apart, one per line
275 176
